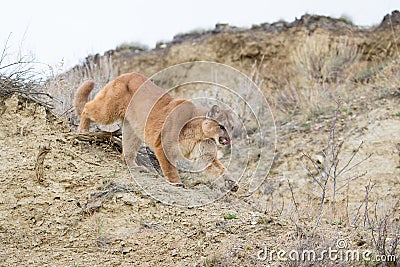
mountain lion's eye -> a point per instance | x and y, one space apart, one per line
222 127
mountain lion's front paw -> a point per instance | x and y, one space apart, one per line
232 184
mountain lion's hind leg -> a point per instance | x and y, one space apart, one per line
84 121
130 147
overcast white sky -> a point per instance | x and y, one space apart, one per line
71 29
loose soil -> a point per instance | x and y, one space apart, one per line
89 211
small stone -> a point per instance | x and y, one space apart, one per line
126 250
129 199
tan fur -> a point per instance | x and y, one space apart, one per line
173 128
110 103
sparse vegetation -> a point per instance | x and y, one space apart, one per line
321 60
18 76
346 19
133 46
230 216
326 172
62 86
320 68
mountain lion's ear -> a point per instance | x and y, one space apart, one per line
213 112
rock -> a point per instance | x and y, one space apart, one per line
129 199
390 20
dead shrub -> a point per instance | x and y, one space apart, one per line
320 59
63 85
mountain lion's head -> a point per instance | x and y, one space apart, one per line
217 124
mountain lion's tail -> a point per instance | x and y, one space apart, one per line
82 96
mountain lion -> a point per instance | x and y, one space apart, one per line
177 131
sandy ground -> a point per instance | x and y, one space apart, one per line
89 211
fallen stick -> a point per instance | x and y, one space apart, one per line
145 156
100 137
74 155
39 169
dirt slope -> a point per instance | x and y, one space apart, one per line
89 212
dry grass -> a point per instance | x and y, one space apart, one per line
387 77
319 71
320 59
18 76
376 229
63 85
310 101
321 220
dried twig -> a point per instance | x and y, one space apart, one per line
96 200
328 170
18 77
74 155
385 233
100 137
293 198
368 190
39 170
145 155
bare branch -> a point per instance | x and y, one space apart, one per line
351 158
18 77
355 165
351 179
309 171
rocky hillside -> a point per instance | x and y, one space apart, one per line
268 43
334 91
280 57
